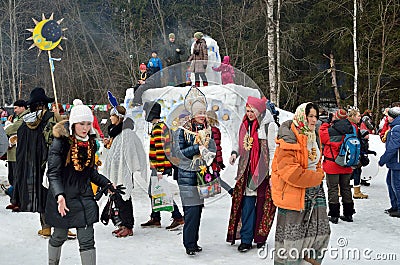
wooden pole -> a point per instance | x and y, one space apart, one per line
53 81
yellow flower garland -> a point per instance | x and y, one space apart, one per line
76 157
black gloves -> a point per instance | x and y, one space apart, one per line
205 66
196 52
221 165
109 187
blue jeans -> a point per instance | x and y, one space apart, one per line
248 219
393 184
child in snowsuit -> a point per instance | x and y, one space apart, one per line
226 69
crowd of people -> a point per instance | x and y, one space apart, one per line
53 171
171 68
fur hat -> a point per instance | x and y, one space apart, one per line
78 114
152 110
198 35
394 112
258 103
171 35
341 114
20 103
38 96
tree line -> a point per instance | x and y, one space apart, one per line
286 47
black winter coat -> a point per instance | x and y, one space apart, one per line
74 185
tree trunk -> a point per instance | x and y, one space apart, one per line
355 56
278 53
334 84
271 50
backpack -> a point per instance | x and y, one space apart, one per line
349 151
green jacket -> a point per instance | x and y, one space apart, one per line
12 130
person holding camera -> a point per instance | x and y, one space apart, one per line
199 59
70 200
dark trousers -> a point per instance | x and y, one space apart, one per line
176 214
248 219
85 237
198 75
334 181
357 176
125 211
175 72
192 215
11 172
393 184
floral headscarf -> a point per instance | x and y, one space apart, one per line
300 121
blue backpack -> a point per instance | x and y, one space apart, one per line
349 152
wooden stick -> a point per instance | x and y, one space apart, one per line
54 83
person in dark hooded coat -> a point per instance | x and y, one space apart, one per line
34 138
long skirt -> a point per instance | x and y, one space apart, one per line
303 234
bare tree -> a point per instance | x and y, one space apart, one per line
271 50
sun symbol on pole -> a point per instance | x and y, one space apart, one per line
47 34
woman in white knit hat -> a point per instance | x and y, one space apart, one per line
71 169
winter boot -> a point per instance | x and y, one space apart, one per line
88 257
334 212
205 83
54 254
176 224
71 235
124 232
151 223
390 210
197 83
358 194
348 211
395 214
45 232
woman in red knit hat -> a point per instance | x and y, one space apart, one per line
251 199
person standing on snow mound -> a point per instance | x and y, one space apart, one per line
391 158
297 190
252 204
199 59
227 71
172 54
154 66
70 200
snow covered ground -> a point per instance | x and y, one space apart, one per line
373 234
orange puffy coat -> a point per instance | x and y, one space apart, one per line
290 176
